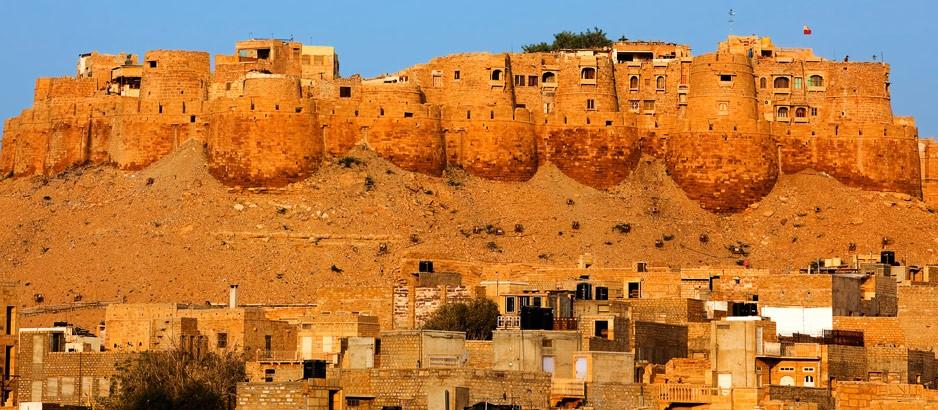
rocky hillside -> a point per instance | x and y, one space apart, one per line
172 233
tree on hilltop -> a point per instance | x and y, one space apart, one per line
567 40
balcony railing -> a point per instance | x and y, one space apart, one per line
509 322
567 388
278 355
565 323
685 393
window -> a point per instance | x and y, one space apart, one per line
590 104
227 86
496 75
726 78
519 81
801 112
723 107
634 290
9 320
532 81
263 53
809 381
786 369
318 60
814 111
633 105
815 81
268 343
807 369
649 105
456 75
797 83
660 83
536 301
345 92
633 83
269 375
222 340
509 304
437 80
601 329
549 78
782 112
781 82
408 115
762 82
588 73
151 63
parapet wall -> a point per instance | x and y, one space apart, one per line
726 124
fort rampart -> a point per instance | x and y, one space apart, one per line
727 124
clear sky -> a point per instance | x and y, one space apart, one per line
44 38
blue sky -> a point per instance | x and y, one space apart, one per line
43 38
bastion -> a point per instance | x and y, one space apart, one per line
727 124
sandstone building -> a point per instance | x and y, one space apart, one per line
726 123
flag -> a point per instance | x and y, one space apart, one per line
806 29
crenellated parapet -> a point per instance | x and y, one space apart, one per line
727 124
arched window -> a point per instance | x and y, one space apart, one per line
809 381
659 82
496 75
781 82
787 381
633 82
782 112
762 82
801 112
815 81
588 73
549 78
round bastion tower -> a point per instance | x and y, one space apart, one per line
725 157
484 132
267 137
401 128
587 137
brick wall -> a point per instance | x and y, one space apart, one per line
822 397
659 342
392 387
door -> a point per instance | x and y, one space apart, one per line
725 381
306 347
580 367
548 364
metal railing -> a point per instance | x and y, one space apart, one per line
566 323
509 322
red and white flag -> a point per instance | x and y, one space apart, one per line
806 30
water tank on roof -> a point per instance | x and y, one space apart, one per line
536 318
584 291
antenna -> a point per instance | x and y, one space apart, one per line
732 19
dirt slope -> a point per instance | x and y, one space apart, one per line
172 233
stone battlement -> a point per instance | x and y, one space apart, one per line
727 124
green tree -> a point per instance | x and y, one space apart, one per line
478 318
176 379
566 40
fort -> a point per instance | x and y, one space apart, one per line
726 124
